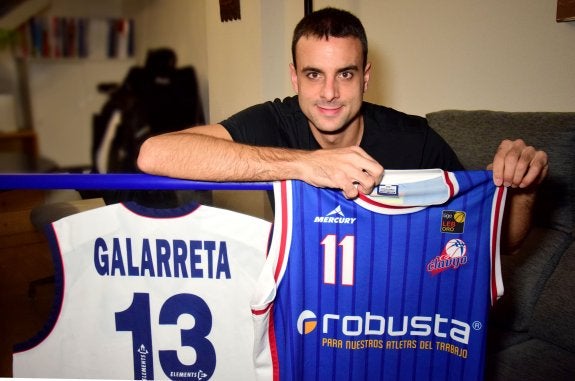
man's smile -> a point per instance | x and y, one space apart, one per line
330 109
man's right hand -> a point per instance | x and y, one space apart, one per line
350 169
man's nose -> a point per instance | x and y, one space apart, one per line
330 89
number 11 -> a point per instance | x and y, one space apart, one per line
347 260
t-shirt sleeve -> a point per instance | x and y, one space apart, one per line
402 141
253 126
280 123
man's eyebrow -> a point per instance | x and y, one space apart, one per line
349 68
311 68
314 69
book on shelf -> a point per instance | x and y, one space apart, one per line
76 37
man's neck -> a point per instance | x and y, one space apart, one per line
348 136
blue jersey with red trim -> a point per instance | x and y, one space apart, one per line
396 285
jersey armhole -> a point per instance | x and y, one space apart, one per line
58 300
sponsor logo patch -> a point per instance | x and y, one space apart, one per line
335 216
452 221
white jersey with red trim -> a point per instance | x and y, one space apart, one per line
150 294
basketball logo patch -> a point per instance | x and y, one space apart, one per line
453 256
452 221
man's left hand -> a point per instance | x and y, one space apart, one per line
518 165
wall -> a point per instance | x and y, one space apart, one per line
501 55
426 56
234 59
236 81
64 92
278 19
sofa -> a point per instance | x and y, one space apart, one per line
531 332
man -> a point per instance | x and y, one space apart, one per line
328 136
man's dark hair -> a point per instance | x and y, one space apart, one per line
330 22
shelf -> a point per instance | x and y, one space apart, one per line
24 141
54 37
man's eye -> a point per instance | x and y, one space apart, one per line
346 75
313 75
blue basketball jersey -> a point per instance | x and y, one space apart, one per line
395 285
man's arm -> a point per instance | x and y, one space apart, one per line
521 168
208 153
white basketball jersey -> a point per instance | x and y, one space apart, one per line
150 294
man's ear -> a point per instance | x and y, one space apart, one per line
366 75
293 75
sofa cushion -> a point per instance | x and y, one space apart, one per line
499 338
532 360
554 313
524 276
475 136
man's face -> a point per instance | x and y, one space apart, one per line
330 81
